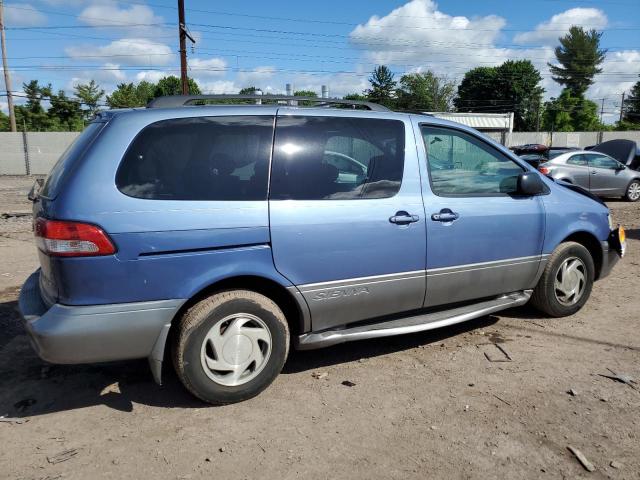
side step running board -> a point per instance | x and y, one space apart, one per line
416 323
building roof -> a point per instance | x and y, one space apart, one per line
482 121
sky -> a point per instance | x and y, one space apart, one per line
336 43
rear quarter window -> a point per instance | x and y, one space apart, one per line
69 158
201 158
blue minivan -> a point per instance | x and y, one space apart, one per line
219 235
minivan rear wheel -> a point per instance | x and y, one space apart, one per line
566 282
230 346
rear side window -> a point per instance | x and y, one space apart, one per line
577 160
202 158
337 158
462 165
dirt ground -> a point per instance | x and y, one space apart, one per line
428 405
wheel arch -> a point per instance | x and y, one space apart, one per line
589 241
295 310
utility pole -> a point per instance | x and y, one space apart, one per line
5 68
622 107
182 29
601 110
538 115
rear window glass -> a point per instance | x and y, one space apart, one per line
202 158
68 159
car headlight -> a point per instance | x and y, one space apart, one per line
610 218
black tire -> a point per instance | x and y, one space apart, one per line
544 296
198 322
629 196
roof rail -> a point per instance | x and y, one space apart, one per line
171 101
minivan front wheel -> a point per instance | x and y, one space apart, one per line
231 346
566 282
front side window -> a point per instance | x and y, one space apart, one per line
600 161
460 164
201 158
333 158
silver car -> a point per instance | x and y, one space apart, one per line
599 173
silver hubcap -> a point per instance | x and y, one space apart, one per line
236 349
634 191
570 281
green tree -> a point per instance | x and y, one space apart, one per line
383 86
248 91
631 107
32 116
125 96
356 96
305 93
571 113
4 122
579 57
65 113
513 86
145 91
425 91
90 95
172 85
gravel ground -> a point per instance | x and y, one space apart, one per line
425 405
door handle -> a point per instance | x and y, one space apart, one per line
593 172
403 218
445 215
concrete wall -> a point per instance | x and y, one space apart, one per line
34 153
44 148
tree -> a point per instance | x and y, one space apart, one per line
425 91
125 96
90 95
4 122
172 85
32 116
571 113
65 113
356 96
631 107
579 56
248 91
383 86
513 86
305 93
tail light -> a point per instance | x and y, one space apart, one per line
543 170
71 239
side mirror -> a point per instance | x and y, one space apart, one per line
620 166
530 183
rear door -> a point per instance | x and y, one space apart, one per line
579 169
606 176
482 238
346 214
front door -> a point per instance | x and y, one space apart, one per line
346 214
580 170
482 239
607 176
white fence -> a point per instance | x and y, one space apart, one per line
34 153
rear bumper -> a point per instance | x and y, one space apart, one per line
610 256
97 333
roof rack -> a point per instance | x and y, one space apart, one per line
172 101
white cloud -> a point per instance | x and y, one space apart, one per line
139 18
23 15
218 86
127 51
205 68
257 77
107 76
547 33
417 33
152 76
